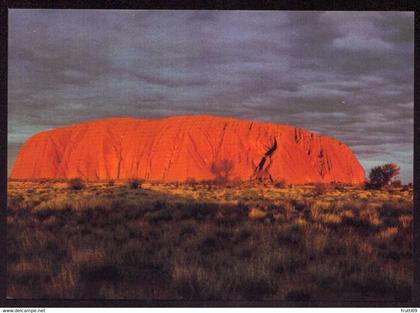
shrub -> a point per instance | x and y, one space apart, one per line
160 216
14 202
236 182
99 272
380 176
44 214
320 189
210 244
198 211
338 186
291 236
187 231
111 182
407 187
134 183
279 184
190 182
361 225
396 183
244 234
256 288
76 184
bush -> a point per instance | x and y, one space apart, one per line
111 183
190 182
99 272
338 186
381 176
279 184
320 189
396 183
76 184
134 183
256 288
407 187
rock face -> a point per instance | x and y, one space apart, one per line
179 148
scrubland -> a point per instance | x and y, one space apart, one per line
206 241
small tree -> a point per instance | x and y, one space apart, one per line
135 183
222 170
76 184
380 176
320 189
279 184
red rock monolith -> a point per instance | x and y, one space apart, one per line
179 148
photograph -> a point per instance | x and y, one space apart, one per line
210 155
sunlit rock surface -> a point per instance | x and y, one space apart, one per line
178 148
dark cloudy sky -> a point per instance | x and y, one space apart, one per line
349 75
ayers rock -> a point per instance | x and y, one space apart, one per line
179 148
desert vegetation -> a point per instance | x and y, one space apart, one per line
383 175
208 241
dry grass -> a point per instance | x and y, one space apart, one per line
204 241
